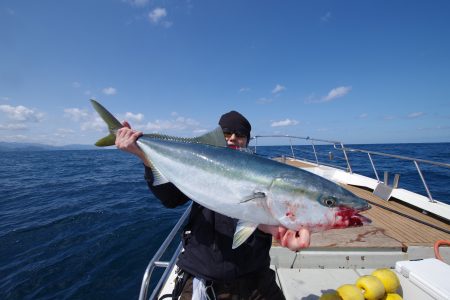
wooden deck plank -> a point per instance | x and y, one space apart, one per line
396 205
295 163
413 230
393 224
399 227
393 221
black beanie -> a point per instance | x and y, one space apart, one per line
235 122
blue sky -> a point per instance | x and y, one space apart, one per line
355 71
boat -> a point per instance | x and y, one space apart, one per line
405 235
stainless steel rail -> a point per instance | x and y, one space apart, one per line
413 160
337 145
163 264
166 273
345 151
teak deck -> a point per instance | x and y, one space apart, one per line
394 225
402 223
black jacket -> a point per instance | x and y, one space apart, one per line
208 253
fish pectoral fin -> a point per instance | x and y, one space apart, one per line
243 231
254 196
158 177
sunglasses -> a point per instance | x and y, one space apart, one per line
228 133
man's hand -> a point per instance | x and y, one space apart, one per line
293 240
126 141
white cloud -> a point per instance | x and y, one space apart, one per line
244 89
264 100
200 131
134 117
415 115
109 91
286 122
437 127
278 89
13 126
21 113
5 98
76 84
63 132
15 138
76 114
187 121
337 93
322 129
177 123
363 116
88 121
94 123
139 3
159 125
326 17
157 15
166 24
311 98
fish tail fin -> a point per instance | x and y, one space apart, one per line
111 121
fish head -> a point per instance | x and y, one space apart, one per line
316 204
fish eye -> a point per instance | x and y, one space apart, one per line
329 201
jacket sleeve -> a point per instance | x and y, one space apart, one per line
169 195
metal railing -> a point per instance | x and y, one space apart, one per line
415 161
339 146
162 264
336 145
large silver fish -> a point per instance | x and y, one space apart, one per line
242 185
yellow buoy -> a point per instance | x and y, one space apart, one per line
350 292
392 296
372 286
388 278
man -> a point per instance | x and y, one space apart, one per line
213 267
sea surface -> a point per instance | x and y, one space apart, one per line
83 225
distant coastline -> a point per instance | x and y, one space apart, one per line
13 147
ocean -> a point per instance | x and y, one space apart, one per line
83 224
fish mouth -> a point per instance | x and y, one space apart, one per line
350 217
358 207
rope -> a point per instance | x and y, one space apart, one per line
437 244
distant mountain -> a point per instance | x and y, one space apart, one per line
5 146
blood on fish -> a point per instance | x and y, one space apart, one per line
348 218
290 215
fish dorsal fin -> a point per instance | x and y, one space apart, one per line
243 231
213 138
